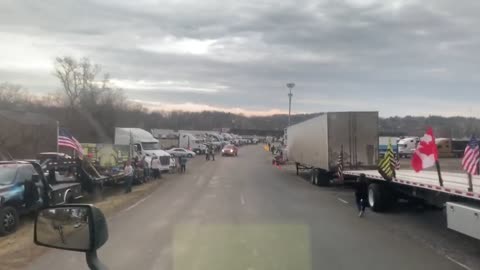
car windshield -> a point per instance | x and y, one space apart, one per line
243 134
150 146
7 174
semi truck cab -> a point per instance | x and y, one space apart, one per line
407 146
144 144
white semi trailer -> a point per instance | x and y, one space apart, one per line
318 143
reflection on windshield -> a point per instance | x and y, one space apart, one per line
7 174
150 146
257 246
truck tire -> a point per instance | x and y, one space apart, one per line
190 156
313 176
69 197
98 192
8 220
380 197
323 179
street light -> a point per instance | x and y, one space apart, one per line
290 86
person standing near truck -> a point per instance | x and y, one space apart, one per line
156 167
128 170
207 153
146 168
361 194
183 164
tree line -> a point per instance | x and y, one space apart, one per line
91 106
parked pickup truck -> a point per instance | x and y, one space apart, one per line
24 188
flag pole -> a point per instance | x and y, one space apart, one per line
58 131
340 169
470 184
440 180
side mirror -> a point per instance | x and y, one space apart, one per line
75 227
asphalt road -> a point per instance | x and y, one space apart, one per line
243 213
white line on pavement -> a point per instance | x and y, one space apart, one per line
458 263
242 200
136 204
342 200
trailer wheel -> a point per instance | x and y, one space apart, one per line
98 192
323 179
380 197
69 197
313 176
8 220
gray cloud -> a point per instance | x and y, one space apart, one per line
238 53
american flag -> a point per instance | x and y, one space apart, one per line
397 162
66 139
340 165
471 156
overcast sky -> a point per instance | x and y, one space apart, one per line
415 57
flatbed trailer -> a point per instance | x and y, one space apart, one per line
92 181
461 200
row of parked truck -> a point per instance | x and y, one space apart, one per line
406 145
339 146
155 144
53 178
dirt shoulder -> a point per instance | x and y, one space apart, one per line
18 250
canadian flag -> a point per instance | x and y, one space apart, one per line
426 153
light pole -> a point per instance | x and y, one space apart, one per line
290 86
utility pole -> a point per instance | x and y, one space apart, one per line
290 95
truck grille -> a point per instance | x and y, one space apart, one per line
165 160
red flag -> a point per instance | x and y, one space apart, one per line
426 153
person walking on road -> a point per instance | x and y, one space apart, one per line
361 194
183 164
128 170
212 152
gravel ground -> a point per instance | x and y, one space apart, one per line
18 249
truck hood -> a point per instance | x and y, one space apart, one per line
4 190
158 153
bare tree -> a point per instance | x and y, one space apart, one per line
68 72
12 95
